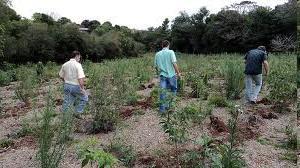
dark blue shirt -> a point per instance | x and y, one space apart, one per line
254 59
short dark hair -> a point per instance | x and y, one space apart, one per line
165 43
75 53
263 48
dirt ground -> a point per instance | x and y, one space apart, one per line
145 134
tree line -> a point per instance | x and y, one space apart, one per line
236 28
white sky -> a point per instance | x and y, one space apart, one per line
138 14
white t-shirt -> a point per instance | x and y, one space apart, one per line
71 71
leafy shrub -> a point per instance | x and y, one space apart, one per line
230 156
282 84
200 90
175 124
181 86
4 78
88 154
291 138
124 153
196 112
234 79
26 88
103 107
218 101
52 144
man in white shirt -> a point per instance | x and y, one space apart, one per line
73 76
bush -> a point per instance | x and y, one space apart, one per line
200 90
234 79
125 154
196 112
4 78
218 101
88 154
26 89
282 83
103 108
52 143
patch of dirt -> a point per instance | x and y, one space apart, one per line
218 126
264 101
59 102
126 112
246 132
28 141
145 103
16 111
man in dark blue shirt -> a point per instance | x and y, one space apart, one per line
254 61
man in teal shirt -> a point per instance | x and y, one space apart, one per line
166 66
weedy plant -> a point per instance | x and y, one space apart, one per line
4 78
291 138
229 155
52 144
40 71
124 153
103 104
88 154
282 84
26 88
196 112
200 90
218 101
234 79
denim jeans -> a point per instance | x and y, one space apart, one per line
166 84
253 86
73 96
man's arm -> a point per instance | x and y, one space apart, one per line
81 78
174 60
266 66
177 70
81 83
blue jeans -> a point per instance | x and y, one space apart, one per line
253 86
73 93
166 84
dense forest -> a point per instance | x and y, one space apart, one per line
236 28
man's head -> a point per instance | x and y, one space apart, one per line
165 44
76 55
262 48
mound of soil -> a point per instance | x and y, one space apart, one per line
266 114
59 102
28 141
218 125
146 103
17 110
264 101
127 112
246 132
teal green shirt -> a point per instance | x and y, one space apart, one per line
164 60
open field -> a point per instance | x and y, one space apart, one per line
208 125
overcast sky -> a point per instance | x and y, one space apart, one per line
138 14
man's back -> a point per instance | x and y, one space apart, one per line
164 60
72 71
254 59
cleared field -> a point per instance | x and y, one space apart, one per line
208 124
